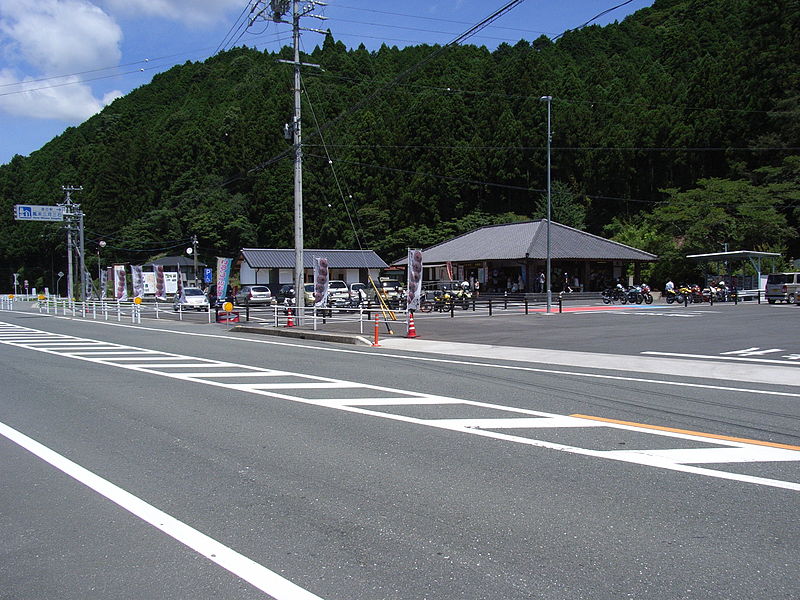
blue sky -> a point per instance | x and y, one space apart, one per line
61 61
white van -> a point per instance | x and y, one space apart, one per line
783 287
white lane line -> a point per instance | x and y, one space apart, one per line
205 375
404 401
520 423
771 361
315 385
514 423
257 575
690 456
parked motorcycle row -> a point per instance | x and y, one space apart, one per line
694 294
635 294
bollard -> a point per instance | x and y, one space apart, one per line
473 304
452 309
490 307
375 343
560 304
526 305
505 301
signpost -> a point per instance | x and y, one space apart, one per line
33 212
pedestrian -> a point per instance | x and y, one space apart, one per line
541 281
477 288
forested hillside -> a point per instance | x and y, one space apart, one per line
675 130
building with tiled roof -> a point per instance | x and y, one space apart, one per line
275 266
513 255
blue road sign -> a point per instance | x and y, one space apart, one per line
208 275
33 212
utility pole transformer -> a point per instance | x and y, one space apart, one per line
276 11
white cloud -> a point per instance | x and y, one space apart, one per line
189 12
60 36
72 103
51 37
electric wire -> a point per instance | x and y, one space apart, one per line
335 175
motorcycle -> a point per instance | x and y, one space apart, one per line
615 294
697 294
635 294
648 297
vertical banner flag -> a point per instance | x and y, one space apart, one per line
120 284
320 281
161 284
137 281
103 283
223 276
449 266
414 288
180 295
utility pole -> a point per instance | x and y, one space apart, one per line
194 254
277 9
72 212
549 100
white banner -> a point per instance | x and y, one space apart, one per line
159 283
120 284
171 282
414 289
103 283
137 281
320 282
179 293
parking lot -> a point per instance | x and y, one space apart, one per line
752 330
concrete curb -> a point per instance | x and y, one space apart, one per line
304 334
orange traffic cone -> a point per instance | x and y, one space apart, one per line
412 330
289 319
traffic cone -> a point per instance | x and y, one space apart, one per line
412 330
289 319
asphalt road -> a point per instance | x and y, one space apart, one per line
368 473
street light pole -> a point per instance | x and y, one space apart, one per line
549 100
100 287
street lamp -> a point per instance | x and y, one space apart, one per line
58 282
549 100
100 287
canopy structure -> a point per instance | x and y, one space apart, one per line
753 256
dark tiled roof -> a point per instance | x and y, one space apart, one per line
171 261
272 258
515 240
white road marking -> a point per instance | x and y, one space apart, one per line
257 575
770 361
488 351
756 351
472 426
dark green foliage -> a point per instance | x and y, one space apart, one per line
697 97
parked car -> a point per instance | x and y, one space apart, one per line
338 293
254 295
390 291
782 287
194 299
359 292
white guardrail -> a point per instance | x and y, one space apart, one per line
110 310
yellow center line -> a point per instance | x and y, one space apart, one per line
688 432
